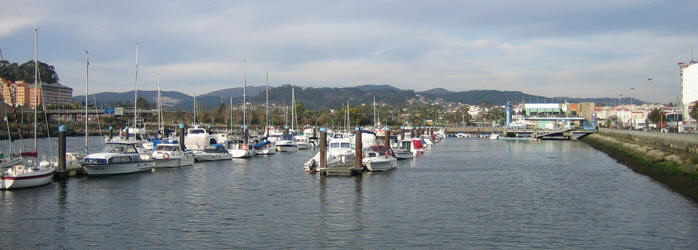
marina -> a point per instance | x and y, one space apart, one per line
547 194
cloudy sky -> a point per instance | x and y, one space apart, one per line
591 48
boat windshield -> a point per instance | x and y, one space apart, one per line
287 137
215 150
119 148
197 131
166 148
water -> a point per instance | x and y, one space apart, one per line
466 193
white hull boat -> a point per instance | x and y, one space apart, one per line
206 156
120 168
117 158
379 163
24 176
241 151
402 154
169 155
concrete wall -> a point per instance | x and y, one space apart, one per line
688 142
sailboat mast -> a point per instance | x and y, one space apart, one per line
244 92
293 106
160 127
135 91
37 86
87 95
266 102
231 115
374 111
194 109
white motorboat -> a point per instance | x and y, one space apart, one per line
241 150
462 135
339 153
171 155
302 142
264 147
198 138
494 136
116 158
403 150
375 161
27 175
286 143
215 152
414 146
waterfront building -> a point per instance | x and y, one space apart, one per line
53 93
689 87
17 92
22 93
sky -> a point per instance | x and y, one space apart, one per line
591 48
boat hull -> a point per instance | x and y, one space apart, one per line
265 151
382 164
173 163
28 180
241 153
302 146
286 148
404 155
116 169
212 157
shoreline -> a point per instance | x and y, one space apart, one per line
668 170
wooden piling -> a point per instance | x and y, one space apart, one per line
323 148
358 157
62 171
180 134
111 133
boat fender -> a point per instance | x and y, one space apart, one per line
245 146
166 156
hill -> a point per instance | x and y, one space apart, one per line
325 97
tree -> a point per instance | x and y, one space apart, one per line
694 112
47 73
656 116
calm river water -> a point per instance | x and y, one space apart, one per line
466 193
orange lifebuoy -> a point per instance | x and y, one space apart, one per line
166 156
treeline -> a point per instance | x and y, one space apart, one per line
25 72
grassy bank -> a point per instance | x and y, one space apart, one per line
667 172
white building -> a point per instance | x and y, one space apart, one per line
689 86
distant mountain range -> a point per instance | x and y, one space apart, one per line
336 97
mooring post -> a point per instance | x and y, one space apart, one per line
127 135
358 164
323 148
111 132
61 148
402 133
180 134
